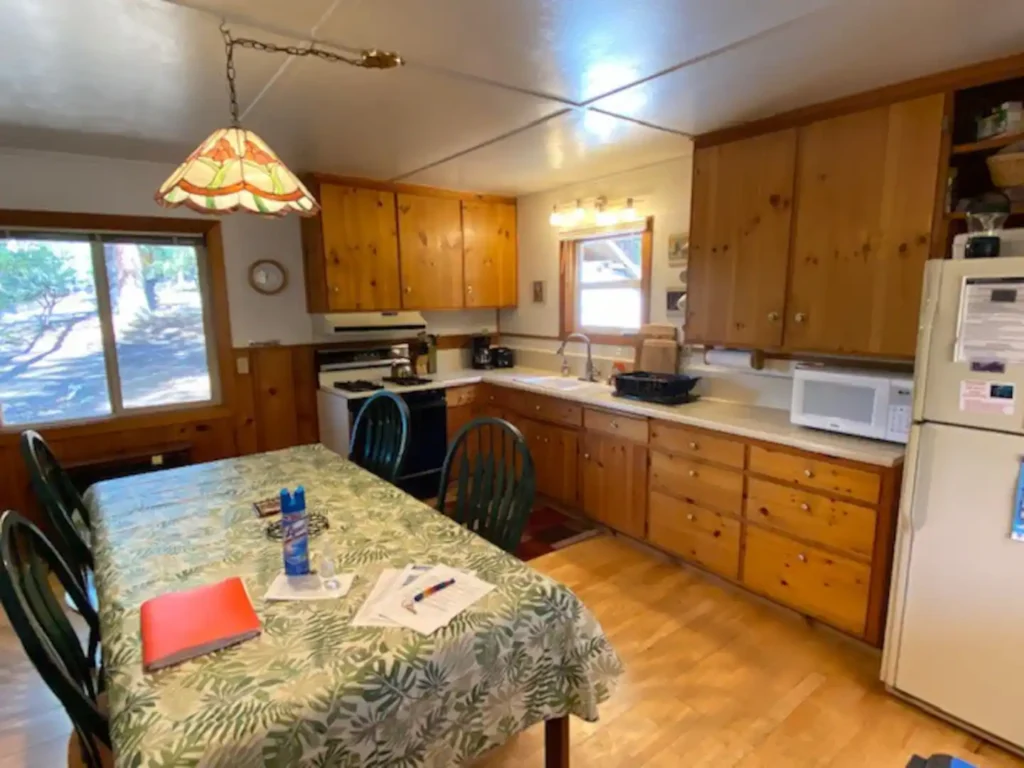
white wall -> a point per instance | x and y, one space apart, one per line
76 183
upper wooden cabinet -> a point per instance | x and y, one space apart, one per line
866 201
814 239
739 241
430 252
359 251
379 246
489 232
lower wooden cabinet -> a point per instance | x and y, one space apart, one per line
814 581
613 482
709 539
555 452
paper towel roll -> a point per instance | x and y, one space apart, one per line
730 358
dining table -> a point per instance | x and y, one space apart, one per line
313 689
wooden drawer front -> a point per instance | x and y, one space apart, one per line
830 587
819 474
628 427
839 524
706 538
699 445
457 396
542 408
703 484
491 395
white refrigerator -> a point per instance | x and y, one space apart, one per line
955 638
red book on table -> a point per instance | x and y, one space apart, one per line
180 626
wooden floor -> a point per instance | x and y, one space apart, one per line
713 678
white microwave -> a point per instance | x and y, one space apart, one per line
863 403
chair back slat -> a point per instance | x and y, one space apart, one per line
60 501
51 643
495 484
380 435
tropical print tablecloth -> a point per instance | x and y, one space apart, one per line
313 690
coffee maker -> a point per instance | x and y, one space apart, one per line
482 356
986 216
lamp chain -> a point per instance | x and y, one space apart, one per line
229 53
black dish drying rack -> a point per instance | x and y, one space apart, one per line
661 388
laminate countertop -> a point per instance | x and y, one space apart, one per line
756 422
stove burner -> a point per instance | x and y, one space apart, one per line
360 385
409 381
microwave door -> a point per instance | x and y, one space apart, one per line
971 350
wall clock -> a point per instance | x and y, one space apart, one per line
268 277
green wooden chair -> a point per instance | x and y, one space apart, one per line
380 435
65 510
490 471
49 640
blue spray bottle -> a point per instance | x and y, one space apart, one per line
295 530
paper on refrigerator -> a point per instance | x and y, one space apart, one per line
991 322
437 610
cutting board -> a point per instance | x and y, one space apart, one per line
658 356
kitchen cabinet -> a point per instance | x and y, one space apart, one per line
351 251
739 241
430 252
613 478
862 230
460 410
555 452
489 240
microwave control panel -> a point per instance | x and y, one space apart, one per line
901 397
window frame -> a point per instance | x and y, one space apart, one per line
569 266
213 291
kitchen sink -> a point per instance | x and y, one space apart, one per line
560 383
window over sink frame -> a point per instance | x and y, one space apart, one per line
572 253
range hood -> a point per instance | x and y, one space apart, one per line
368 326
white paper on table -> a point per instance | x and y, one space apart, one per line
309 587
438 609
390 579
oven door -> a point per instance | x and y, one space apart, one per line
853 404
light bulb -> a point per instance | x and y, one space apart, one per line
606 218
630 213
578 214
556 218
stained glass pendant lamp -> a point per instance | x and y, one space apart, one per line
234 169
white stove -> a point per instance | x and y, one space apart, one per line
361 372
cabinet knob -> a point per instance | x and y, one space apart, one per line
546 440
491 398
469 289
694 447
335 288
799 317
586 456
692 473
615 425
408 289
808 473
802 557
805 507
536 407
690 517
773 316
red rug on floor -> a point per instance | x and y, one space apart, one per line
548 530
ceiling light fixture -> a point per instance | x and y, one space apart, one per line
578 214
604 217
234 169
555 219
629 214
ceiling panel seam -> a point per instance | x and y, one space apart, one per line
481 145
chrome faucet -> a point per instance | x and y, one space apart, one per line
588 371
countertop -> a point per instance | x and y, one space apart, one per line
769 424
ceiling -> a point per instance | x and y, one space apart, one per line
504 96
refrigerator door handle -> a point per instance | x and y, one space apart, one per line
919 477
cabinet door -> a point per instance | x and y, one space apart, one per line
360 242
489 230
867 184
430 252
739 241
614 477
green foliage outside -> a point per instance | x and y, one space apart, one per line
30 272
168 262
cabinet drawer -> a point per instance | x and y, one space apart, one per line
830 587
838 524
488 394
617 425
457 396
706 538
703 484
543 408
698 445
818 474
